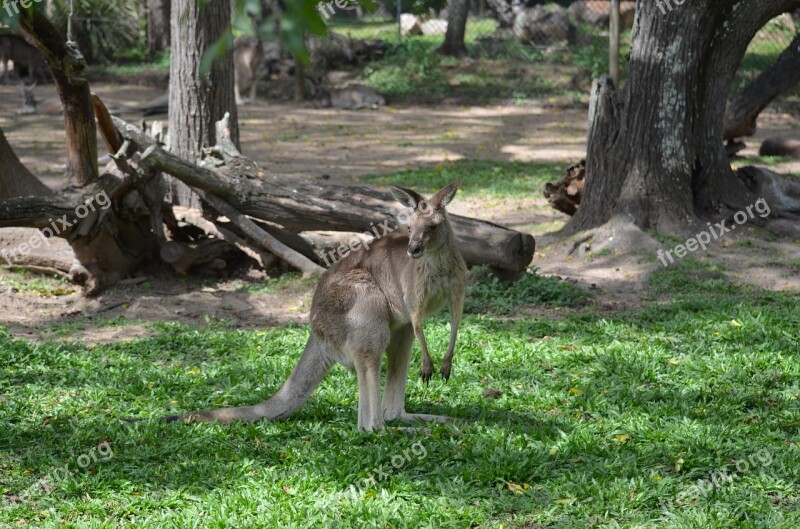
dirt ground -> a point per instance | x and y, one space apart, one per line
297 141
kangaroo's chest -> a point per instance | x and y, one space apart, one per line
435 284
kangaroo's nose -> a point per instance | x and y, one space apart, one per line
416 252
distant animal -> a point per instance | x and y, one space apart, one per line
353 97
248 58
370 303
780 147
30 105
17 50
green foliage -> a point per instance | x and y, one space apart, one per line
417 7
103 29
409 68
488 294
300 18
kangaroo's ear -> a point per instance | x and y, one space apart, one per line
446 195
408 197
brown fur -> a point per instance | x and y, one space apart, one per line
19 51
373 301
248 56
780 147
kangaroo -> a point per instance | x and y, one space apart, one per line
31 105
373 301
353 97
248 56
16 49
780 147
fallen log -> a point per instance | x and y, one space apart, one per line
27 248
299 207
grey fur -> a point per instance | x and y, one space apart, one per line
372 302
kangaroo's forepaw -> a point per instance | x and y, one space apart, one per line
427 373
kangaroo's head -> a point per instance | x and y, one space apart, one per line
29 103
427 224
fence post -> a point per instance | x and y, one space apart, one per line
399 28
613 45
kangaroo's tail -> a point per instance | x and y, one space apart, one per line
306 376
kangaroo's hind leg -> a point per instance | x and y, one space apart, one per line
367 328
399 357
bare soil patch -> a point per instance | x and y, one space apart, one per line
298 141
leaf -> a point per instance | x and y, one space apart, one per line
564 501
735 323
553 451
679 464
622 438
516 489
576 391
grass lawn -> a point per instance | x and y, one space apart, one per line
682 414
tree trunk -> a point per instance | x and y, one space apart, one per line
195 103
158 25
69 74
747 104
108 244
15 179
456 27
657 158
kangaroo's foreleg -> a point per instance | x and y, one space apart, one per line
456 311
427 362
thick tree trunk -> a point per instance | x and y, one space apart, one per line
657 158
158 25
456 27
744 108
196 103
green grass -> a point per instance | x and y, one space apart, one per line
605 420
482 178
22 280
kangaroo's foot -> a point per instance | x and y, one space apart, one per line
425 417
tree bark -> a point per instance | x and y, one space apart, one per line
655 153
195 103
453 45
15 179
158 25
69 74
744 108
